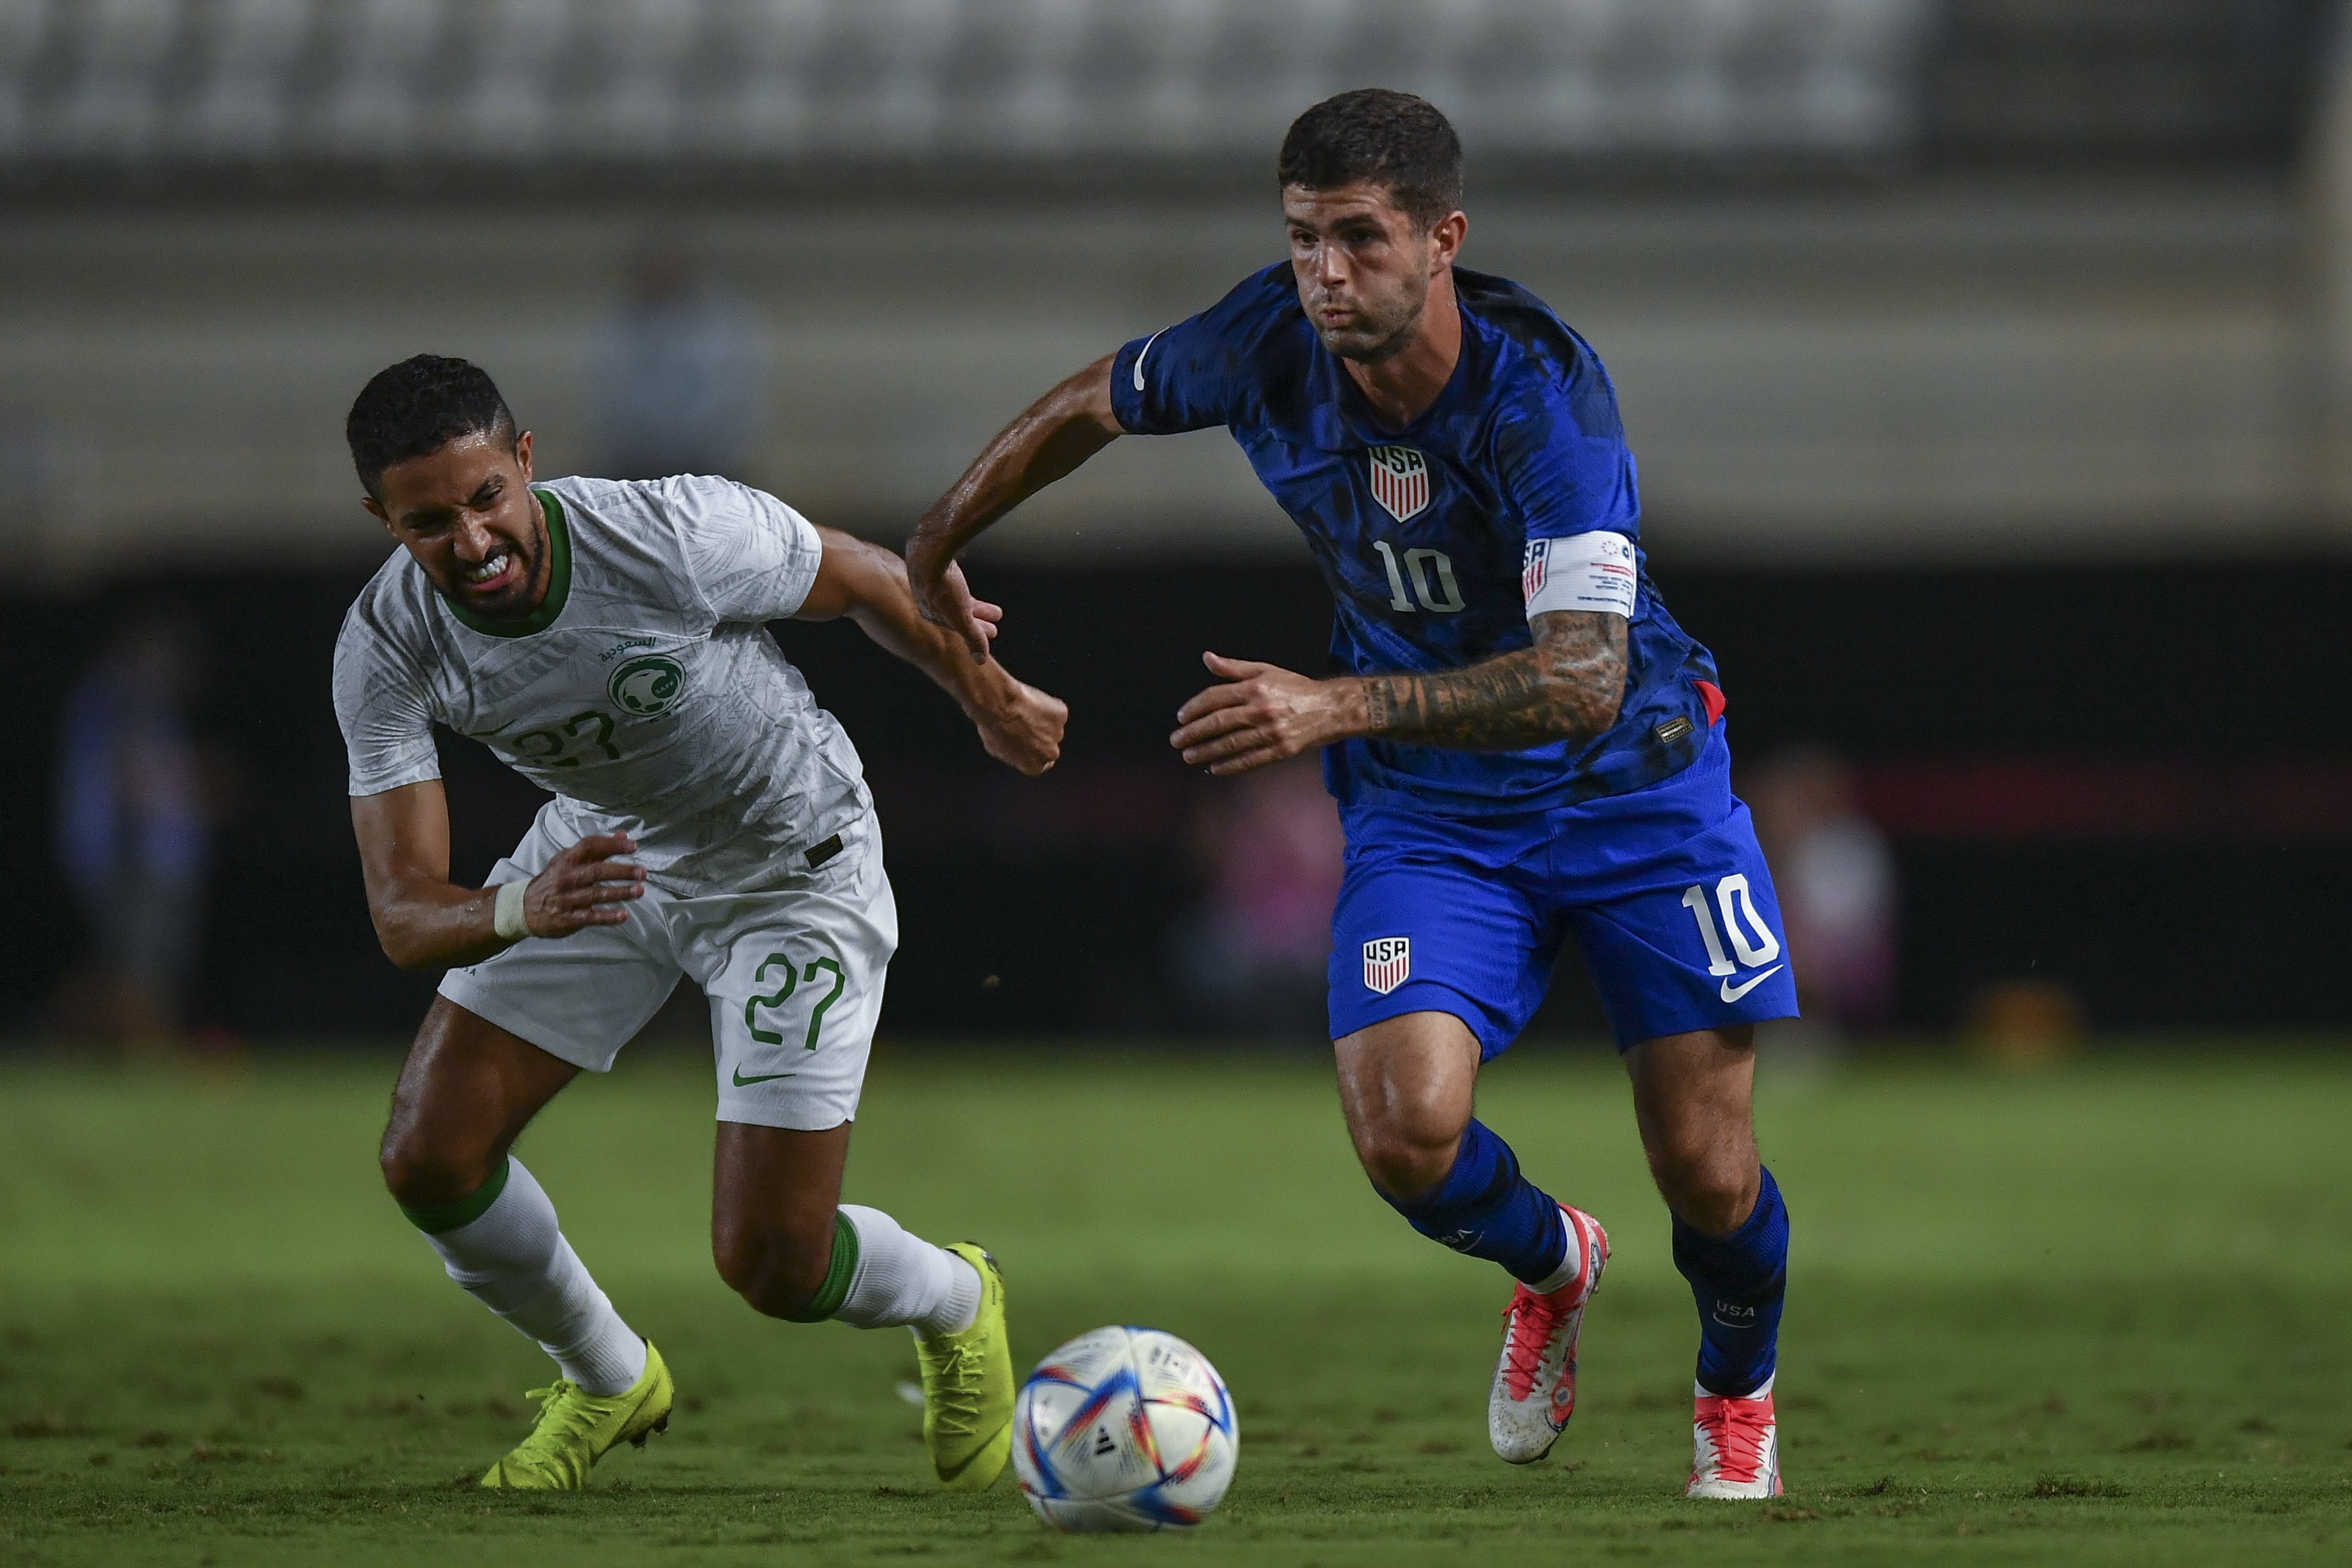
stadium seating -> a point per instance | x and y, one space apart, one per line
165 84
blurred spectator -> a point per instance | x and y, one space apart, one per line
1252 958
679 373
1836 882
133 835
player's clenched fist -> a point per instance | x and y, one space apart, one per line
584 885
1023 727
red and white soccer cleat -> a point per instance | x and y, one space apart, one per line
1738 1446
1534 1392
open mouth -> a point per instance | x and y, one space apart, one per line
494 575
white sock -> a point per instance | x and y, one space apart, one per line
514 1260
902 1278
1572 1266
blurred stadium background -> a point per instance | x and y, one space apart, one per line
1989 363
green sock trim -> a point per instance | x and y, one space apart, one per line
838 1275
465 1211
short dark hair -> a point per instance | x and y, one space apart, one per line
1390 138
417 407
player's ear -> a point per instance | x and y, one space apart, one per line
375 510
1446 236
522 455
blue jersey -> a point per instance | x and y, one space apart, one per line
1425 533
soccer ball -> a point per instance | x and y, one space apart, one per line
1124 1429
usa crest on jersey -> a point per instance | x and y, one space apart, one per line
1388 960
1399 480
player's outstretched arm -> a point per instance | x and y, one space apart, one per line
1569 686
1020 725
426 922
1057 433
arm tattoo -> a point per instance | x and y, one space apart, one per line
1567 687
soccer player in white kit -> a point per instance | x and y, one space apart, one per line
606 640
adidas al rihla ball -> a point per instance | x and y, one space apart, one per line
1124 1429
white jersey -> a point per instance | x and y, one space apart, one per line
645 693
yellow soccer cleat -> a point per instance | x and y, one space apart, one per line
967 1387
576 1429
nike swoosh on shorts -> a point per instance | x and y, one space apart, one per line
1731 992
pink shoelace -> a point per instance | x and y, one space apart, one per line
1529 1322
1737 1428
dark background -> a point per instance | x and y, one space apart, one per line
2145 874
2004 448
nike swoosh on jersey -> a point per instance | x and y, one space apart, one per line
1139 357
1731 992
742 1082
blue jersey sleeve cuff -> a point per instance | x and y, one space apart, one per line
1126 395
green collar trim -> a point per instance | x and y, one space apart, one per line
558 582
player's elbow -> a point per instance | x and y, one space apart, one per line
1581 662
402 945
1582 697
1599 713
1581 708
411 962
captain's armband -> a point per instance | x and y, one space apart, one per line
1583 572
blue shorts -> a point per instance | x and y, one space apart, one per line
1663 888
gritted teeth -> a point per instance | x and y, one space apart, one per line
488 569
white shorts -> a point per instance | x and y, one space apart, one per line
794 976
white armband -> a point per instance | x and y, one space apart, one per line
507 915
1582 572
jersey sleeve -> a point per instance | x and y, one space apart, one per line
1561 481
384 710
1201 372
1575 496
750 557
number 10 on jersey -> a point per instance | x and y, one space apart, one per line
1421 564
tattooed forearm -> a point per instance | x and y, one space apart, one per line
1569 685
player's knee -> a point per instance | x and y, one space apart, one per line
422 1174
1405 1159
773 1273
1706 1184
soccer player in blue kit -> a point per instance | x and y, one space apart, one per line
1524 745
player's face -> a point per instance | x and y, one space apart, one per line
466 514
1364 266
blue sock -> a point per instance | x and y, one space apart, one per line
1487 1209
1737 1282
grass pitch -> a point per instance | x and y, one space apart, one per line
2092 1317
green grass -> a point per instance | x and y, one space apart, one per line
2097 1316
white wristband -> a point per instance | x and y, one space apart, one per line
508 917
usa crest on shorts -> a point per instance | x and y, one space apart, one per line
1399 480
1388 960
